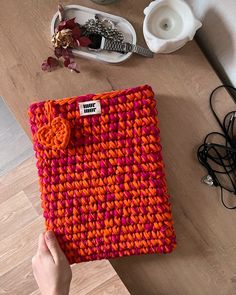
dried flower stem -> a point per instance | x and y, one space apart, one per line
61 12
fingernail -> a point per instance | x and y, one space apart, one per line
49 235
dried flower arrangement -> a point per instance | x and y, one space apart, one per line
68 35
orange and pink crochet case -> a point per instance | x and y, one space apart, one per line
103 187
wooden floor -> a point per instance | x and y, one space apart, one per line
20 224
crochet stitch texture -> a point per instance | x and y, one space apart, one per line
102 183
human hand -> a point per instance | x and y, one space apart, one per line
51 269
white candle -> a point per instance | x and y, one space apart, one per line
165 23
168 25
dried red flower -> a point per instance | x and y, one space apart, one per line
49 64
58 52
84 41
66 62
76 33
67 24
63 48
73 66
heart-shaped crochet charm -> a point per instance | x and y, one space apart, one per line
55 135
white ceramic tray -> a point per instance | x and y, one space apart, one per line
82 14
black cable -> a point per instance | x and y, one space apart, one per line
220 159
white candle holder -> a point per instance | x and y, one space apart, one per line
168 25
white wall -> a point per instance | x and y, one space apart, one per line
218 33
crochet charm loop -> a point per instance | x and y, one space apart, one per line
55 135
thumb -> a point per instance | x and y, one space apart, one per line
42 246
53 245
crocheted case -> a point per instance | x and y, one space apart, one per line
103 188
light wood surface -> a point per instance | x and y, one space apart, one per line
204 261
21 222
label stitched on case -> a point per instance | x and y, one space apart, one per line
88 108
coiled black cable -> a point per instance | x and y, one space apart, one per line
220 158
